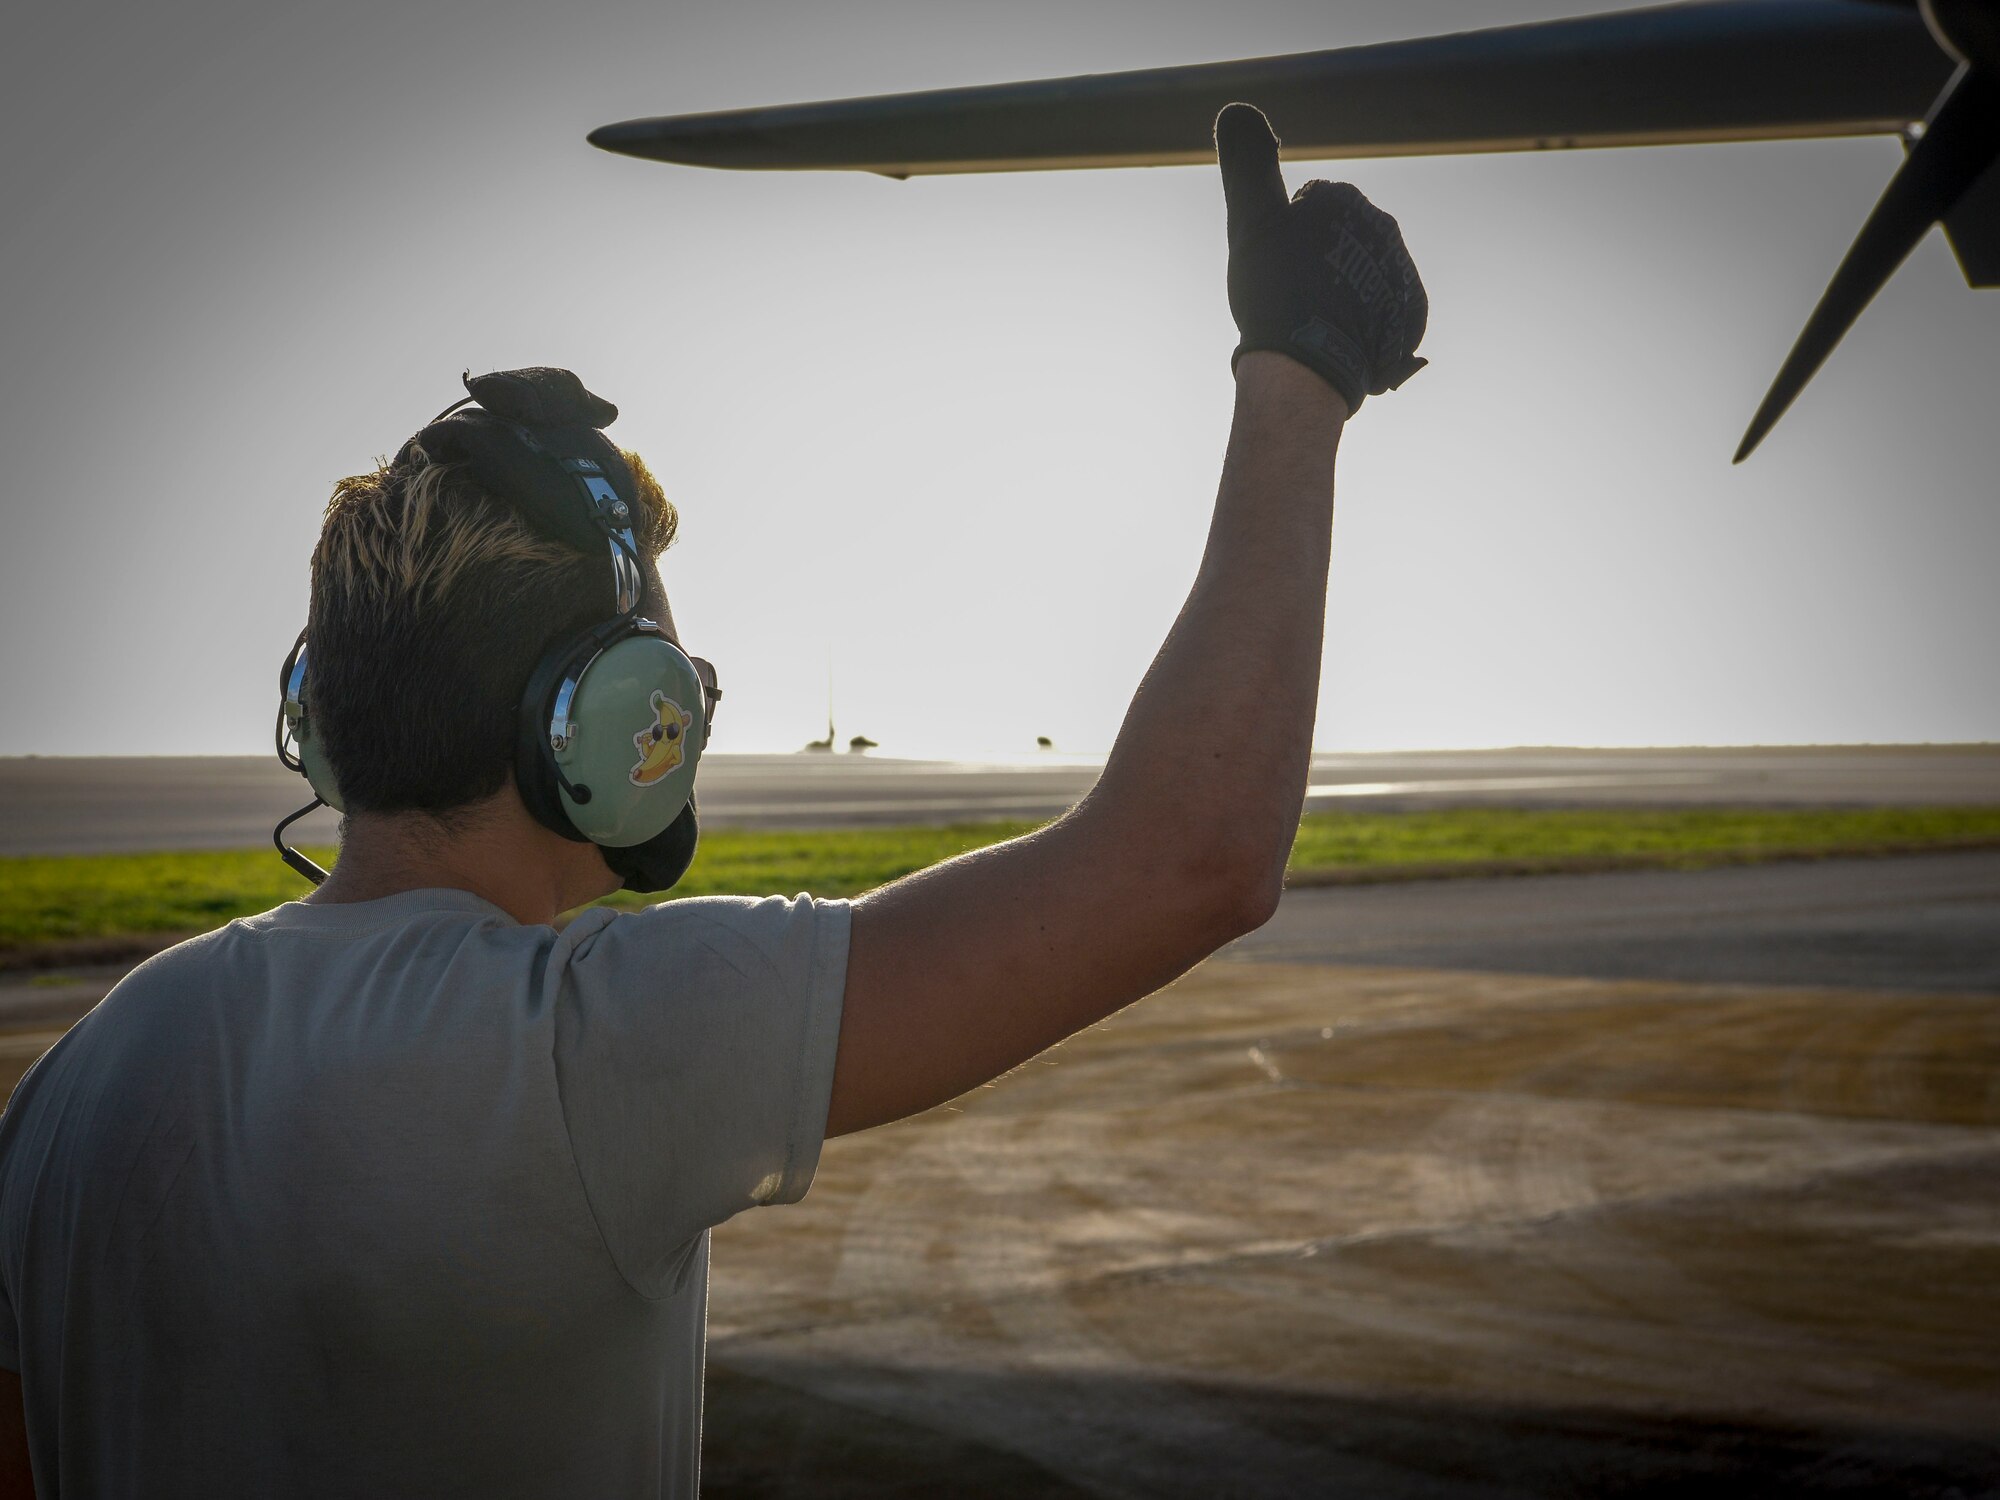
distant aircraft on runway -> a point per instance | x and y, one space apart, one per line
1713 70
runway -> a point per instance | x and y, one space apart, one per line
1928 923
60 805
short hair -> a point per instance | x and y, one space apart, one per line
432 602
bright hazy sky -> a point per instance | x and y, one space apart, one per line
960 435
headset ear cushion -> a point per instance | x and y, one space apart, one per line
636 728
534 770
660 862
295 720
318 769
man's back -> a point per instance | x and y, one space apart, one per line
361 1198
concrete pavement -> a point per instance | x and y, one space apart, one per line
1294 1230
1709 1205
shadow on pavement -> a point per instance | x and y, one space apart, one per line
766 1438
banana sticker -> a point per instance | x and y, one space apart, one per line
661 744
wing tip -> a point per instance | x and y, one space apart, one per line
623 137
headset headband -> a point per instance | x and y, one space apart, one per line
534 440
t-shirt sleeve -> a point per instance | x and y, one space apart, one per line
694 1048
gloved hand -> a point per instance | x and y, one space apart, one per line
1322 276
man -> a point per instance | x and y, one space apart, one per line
397 1191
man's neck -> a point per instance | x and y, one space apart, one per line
494 850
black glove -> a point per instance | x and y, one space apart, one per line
1323 276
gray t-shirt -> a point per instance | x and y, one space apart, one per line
402 1198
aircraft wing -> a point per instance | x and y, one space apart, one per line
1706 70
1716 70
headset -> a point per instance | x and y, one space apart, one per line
613 721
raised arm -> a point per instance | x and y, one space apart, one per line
963 970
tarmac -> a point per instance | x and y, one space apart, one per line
1636 1184
1712 1212
81 805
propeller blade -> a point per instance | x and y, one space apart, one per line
1961 139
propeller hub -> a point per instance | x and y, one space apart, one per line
1968 29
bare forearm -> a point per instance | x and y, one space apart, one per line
1216 745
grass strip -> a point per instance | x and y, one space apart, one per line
99 902
115 905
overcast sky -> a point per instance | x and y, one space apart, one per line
960 436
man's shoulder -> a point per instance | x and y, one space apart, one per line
189 952
194 962
754 935
103 1079
172 969
303 951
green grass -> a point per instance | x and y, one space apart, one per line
67 897
1677 837
84 896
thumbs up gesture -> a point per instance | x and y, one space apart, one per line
1321 276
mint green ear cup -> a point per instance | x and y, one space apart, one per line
319 774
636 727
